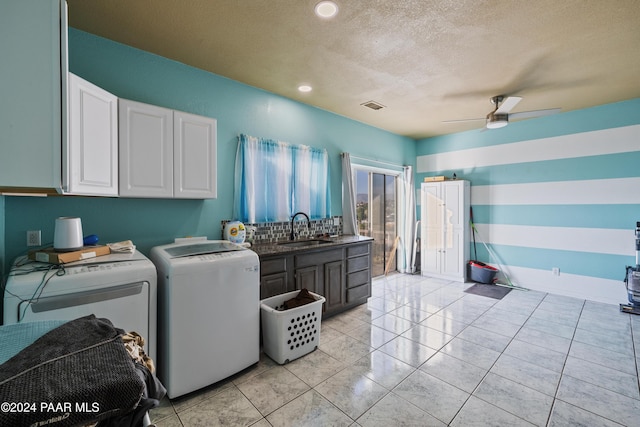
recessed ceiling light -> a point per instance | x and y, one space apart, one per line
326 9
305 88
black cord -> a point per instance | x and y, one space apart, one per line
58 270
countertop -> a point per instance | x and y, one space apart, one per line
264 249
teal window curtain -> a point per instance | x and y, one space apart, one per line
274 180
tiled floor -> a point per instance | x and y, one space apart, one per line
423 352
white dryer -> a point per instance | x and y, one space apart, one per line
208 312
119 287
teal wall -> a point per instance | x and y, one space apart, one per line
560 191
141 76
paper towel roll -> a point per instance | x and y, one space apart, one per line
67 235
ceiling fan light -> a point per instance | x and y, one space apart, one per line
497 121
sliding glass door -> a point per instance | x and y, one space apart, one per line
376 214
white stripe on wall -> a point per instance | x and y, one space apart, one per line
572 285
597 240
594 143
591 192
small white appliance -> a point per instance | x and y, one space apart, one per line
67 234
119 287
208 312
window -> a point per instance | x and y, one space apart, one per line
275 179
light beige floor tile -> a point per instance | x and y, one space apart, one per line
564 414
454 371
525 373
485 338
352 392
392 323
603 376
342 323
605 403
444 324
346 349
371 335
392 410
382 368
436 397
192 399
428 336
309 410
472 353
229 407
478 413
315 367
537 355
171 421
525 402
272 389
410 352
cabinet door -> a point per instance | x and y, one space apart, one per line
146 150
308 277
334 285
273 284
431 228
452 193
91 163
195 163
453 261
33 85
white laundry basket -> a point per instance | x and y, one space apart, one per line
290 334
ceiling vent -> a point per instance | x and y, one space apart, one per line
373 105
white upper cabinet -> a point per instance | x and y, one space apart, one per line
33 47
444 229
146 150
166 153
90 163
194 155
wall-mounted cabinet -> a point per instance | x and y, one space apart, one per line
33 79
444 226
166 153
90 161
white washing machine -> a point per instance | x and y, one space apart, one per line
119 287
208 312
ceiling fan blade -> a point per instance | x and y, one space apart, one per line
534 113
463 120
508 104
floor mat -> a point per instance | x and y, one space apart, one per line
488 290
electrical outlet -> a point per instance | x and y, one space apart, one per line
33 238
555 271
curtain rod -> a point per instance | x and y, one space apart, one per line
376 161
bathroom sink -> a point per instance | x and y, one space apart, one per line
309 242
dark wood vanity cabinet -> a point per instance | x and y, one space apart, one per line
340 273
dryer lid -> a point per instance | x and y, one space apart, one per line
201 249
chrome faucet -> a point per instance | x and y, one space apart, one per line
293 234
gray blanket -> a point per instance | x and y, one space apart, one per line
75 374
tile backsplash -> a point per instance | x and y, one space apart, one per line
269 232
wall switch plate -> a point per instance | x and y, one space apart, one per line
555 271
34 238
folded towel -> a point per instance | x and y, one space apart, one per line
124 247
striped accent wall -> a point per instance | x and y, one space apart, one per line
568 201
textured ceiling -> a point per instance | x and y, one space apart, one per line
426 61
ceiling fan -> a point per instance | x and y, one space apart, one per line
501 115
